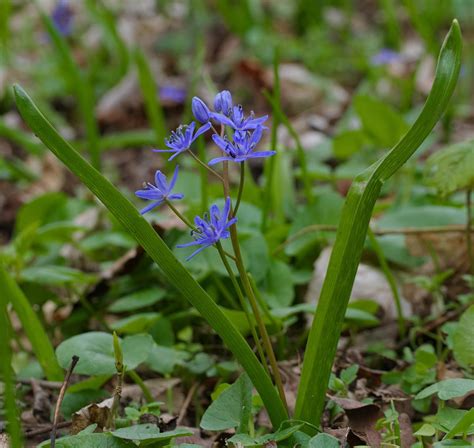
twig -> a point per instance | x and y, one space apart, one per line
187 401
435 323
74 361
46 429
455 228
43 383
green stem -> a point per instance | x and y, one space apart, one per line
250 295
225 292
241 188
179 215
390 279
470 253
9 398
203 175
243 304
299 147
269 168
141 384
203 165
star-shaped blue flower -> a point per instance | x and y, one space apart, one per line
241 148
237 120
160 192
211 229
182 139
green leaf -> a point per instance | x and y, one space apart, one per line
279 290
164 359
271 439
138 323
150 433
97 440
448 389
105 239
426 430
96 352
384 124
40 210
323 441
451 168
463 339
11 293
463 425
232 407
422 216
137 300
352 230
326 209
56 275
348 143
145 235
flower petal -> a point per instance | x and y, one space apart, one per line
150 207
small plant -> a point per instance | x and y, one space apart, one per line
236 135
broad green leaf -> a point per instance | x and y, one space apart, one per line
137 323
379 120
56 275
348 142
323 441
278 291
447 418
74 401
352 230
138 299
232 407
463 339
44 352
164 359
463 425
96 352
145 235
426 430
325 209
448 389
97 440
422 216
40 210
244 440
105 239
452 168
149 432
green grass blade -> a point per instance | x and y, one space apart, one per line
140 229
82 89
351 234
150 97
11 293
11 410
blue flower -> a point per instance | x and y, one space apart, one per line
237 121
182 139
160 192
241 148
62 17
173 94
223 102
200 111
385 57
211 229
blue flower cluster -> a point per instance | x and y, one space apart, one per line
246 133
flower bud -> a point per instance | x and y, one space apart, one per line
223 102
200 110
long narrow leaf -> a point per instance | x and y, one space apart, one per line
9 401
327 324
11 293
140 229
